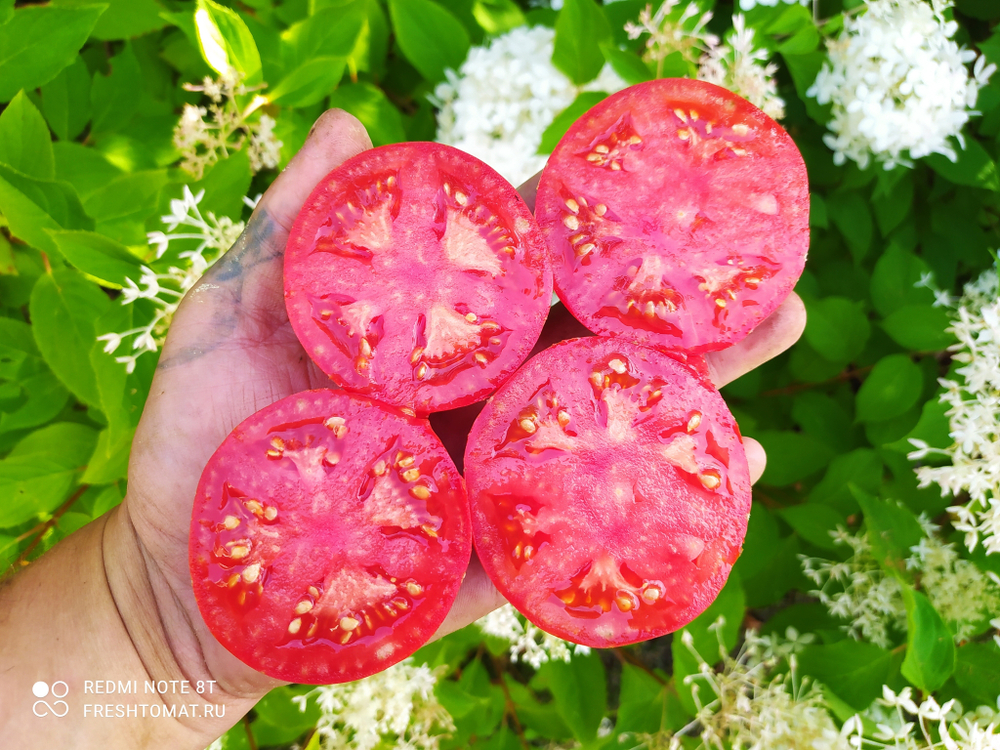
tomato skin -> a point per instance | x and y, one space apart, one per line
415 274
607 514
329 537
676 214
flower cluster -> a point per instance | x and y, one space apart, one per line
859 591
743 69
750 4
899 85
527 643
214 234
203 135
973 399
504 96
673 30
753 702
902 724
735 64
395 708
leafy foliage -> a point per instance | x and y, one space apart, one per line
89 162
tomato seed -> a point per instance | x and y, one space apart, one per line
231 522
348 623
239 552
251 572
414 588
295 625
303 606
420 492
411 475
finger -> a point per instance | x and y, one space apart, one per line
528 190
477 598
335 138
756 458
774 335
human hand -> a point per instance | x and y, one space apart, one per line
230 352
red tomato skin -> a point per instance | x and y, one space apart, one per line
686 200
607 497
472 248
282 506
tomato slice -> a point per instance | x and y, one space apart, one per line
329 538
677 215
610 491
416 274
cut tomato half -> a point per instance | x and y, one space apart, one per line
676 214
329 538
610 491
415 274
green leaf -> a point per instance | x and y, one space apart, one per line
124 19
640 701
63 309
892 530
32 206
814 522
497 16
895 280
974 167
370 105
44 397
861 467
432 39
851 215
977 671
114 98
39 41
837 328
86 169
795 455
226 43
629 66
225 184
562 122
893 206
66 100
804 68
580 30
930 647
109 461
121 399
802 42
309 83
6 10
579 689
891 389
99 256
25 143
920 327
128 197
38 473
853 670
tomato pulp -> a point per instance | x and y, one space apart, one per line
610 491
416 274
329 538
676 214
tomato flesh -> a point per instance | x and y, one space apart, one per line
610 491
677 215
329 538
415 274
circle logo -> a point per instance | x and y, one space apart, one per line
58 708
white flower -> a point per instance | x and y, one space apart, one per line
755 701
527 643
973 400
739 66
899 85
749 4
504 96
397 706
214 235
670 32
857 590
203 135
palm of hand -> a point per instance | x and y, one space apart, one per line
231 351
